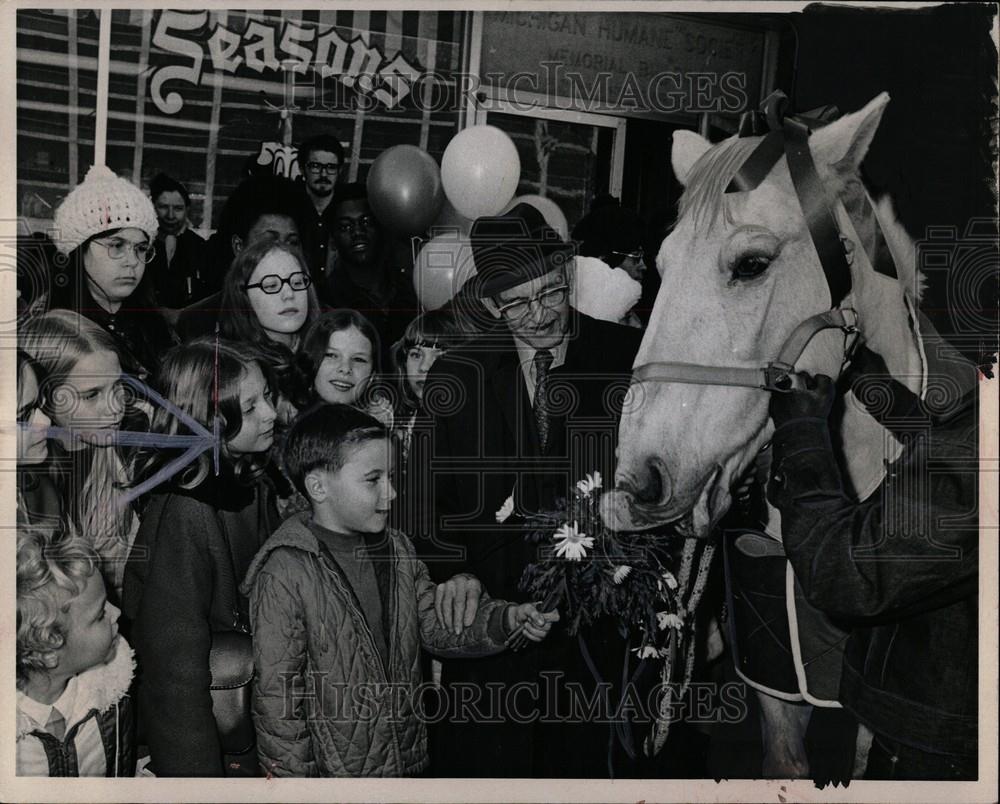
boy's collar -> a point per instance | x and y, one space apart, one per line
98 688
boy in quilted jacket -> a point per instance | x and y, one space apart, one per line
340 607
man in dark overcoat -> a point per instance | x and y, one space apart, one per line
528 408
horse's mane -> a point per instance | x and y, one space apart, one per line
705 198
705 193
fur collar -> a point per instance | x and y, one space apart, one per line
98 688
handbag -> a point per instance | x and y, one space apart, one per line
230 663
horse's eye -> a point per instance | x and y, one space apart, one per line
750 266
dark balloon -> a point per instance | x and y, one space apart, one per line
404 189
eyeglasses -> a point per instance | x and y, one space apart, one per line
118 248
272 283
317 168
616 258
348 225
549 299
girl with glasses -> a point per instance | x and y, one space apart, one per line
268 302
82 393
106 227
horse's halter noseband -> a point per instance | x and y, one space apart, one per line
788 135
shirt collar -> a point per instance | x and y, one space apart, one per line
40 712
526 354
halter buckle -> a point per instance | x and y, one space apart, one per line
777 377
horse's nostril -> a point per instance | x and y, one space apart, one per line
656 490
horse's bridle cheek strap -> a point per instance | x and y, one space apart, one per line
772 377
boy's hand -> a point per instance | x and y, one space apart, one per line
536 623
456 602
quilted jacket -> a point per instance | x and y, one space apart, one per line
326 703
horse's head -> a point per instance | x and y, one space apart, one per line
739 273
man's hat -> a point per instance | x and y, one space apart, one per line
514 248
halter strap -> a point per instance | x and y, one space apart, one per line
772 377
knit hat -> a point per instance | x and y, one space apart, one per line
101 202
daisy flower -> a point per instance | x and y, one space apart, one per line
621 573
666 619
505 510
589 484
570 543
669 580
646 652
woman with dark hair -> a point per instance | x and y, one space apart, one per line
427 337
340 357
200 531
106 227
267 303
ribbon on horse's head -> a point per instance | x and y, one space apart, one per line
789 135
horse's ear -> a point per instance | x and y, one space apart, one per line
844 143
687 149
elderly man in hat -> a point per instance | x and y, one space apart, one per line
520 414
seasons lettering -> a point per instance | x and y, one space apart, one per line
264 47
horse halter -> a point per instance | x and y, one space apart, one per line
789 135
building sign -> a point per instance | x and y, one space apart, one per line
627 63
308 50
212 96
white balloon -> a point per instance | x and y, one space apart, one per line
443 265
480 170
550 211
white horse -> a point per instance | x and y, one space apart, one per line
740 273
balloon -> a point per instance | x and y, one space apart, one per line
404 189
443 265
480 170
550 211
450 220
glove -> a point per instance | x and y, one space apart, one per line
886 399
810 398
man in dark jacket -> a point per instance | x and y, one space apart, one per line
179 267
320 160
522 413
365 275
901 567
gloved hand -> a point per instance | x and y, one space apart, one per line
810 398
885 398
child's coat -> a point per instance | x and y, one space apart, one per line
325 702
99 733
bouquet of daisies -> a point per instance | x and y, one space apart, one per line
590 571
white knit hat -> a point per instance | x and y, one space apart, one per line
603 292
101 202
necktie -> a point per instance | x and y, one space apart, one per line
543 362
170 247
56 724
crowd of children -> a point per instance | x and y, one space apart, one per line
284 531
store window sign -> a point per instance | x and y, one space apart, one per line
263 47
634 63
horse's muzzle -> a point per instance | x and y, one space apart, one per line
640 503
